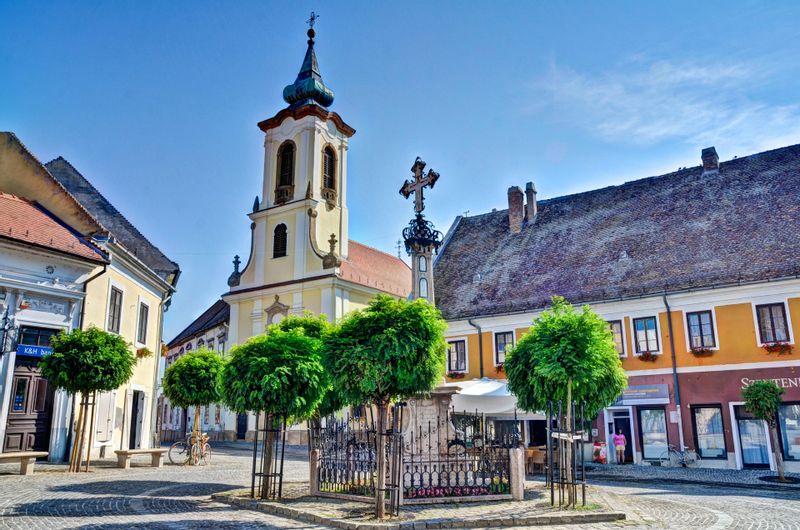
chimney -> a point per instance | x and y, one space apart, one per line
710 161
515 209
530 208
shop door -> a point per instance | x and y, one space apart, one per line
137 417
241 426
624 424
752 439
31 410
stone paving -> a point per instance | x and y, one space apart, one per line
177 497
730 477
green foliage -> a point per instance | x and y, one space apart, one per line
317 327
391 349
562 345
88 361
762 400
278 373
192 380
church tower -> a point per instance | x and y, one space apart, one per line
301 257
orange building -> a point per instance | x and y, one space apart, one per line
697 273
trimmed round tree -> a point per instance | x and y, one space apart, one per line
567 356
279 374
763 400
193 381
87 362
390 350
316 327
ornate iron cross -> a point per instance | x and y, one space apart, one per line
313 18
421 180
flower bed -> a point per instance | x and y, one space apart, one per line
497 487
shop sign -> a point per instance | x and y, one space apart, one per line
644 395
33 351
783 382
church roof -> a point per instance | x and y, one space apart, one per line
111 219
376 269
28 222
218 313
683 230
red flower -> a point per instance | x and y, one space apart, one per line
779 347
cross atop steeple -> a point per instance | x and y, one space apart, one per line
420 181
313 18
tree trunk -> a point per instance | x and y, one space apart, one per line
91 430
269 443
195 452
776 451
569 446
77 452
380 493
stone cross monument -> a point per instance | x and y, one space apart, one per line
420 236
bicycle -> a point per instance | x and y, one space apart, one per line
184 451
674 458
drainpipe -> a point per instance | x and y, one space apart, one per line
480 345
675 375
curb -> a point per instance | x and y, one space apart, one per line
656 481
433 524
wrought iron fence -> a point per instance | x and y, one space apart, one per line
268 444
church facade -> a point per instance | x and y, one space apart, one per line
697 273
301 257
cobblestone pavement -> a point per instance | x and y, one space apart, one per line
746 477
179 498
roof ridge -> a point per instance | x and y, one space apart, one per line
69 229
114 208
688 169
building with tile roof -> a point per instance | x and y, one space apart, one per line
696 271
116 280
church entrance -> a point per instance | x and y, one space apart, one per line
28 427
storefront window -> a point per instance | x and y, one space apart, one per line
709 434
653 431
789 422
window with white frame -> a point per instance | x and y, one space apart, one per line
772 326
457 356
701 329
114 310
616 334
645 334
502 343
141 331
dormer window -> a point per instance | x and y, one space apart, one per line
284 191
329 176
279 241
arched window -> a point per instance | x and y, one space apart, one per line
189 347
328 168
279 242
423 264
423 288
201 343
286 164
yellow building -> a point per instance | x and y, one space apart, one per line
697 273
301 257
127 295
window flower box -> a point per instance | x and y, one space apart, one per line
700 351
143 352
647 357
499 368
456 375
778 347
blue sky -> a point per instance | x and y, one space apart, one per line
157 103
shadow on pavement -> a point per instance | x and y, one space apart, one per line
109 507
170 525
156 488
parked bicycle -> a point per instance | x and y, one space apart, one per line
197 452
674 458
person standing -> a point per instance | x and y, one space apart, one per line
619 445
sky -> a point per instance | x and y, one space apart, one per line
156 103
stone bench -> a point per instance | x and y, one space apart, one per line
156 456
26 460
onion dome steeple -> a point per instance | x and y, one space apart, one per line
308 88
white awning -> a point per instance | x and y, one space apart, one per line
490 397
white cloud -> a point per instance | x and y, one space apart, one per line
650 102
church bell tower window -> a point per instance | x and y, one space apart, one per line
423 288
284 191
423 264
279 242
329 176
